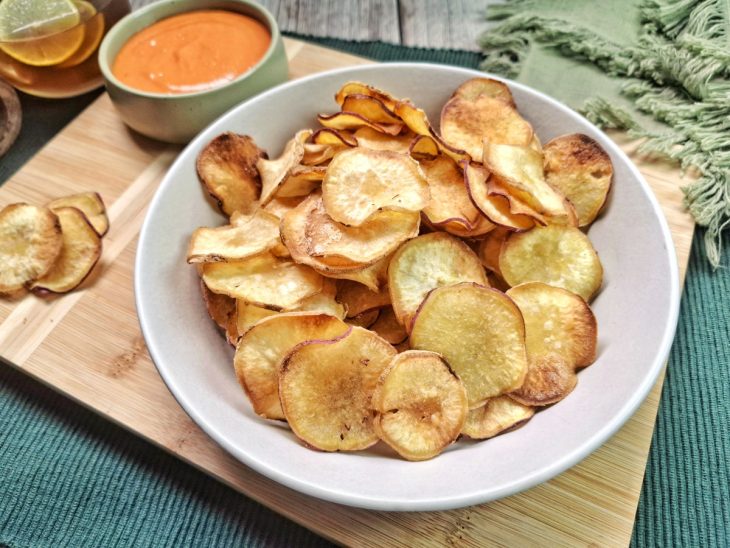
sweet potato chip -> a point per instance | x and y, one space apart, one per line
323 302
353 121
30 243
327 136
358 88
90 204
248 314
80 251
417 121
369 107
420 405
361 181
365 319
370 138
300 181
425 263
222 310
373 276
227 169
424 147
263 346
465 124
497 415
281 206
263 280
556 255
549 379
476 87
490 248
249 234
325 388
481 334
388 327
275 172
579 168
359 298
557 321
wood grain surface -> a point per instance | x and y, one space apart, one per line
88 345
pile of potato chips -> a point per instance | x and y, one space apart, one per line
384 281
50 249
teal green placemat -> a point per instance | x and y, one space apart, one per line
70 478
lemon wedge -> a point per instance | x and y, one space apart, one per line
94 32
40 32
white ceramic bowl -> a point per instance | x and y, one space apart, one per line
636 311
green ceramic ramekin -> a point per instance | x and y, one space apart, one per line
177 118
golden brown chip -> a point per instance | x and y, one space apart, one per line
558 322
420 405
222 310
359 298
275 172
227 169
425 263
249 314
556 255
325 388
353 88
549 379
361 181
80 251
324 302
327 136
481 334
353 121
424 147
263 346
300 181
369 107
490 248
281 206
476 87
496 416
582 171
30 243
90 204
247 235
388 327
417 121
465 124
373 276
263 280
370 138
365 319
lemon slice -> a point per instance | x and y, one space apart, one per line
40 32
94 32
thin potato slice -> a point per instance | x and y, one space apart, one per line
557 321
80 251
579 168
450 200
466 123
263 346
424 147
275 172
227 169
281 206
481 334
490 248
425 263
326 388
249 314
365 319
496 416
300 181
520 169
556 255
361 181
90 204
476 87
358 88
359 298
327 136
369 138
456 227
417 121
496 208
324 302
30 243
369 107
263 280
319 155
222 310
420 405
550 378
372 277
352 120
249 234
388 327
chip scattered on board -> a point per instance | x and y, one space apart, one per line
222 310
362 181
90 204
263 280
420 405
247 235
425 263
497 415
30 243
266 343
556 255
325 388
227 169
80 251
579 168
481 334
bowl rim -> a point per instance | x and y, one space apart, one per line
105 66
447 502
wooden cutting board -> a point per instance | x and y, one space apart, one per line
88 345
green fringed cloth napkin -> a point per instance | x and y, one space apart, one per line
657 68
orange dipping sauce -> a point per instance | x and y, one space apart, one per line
191 52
